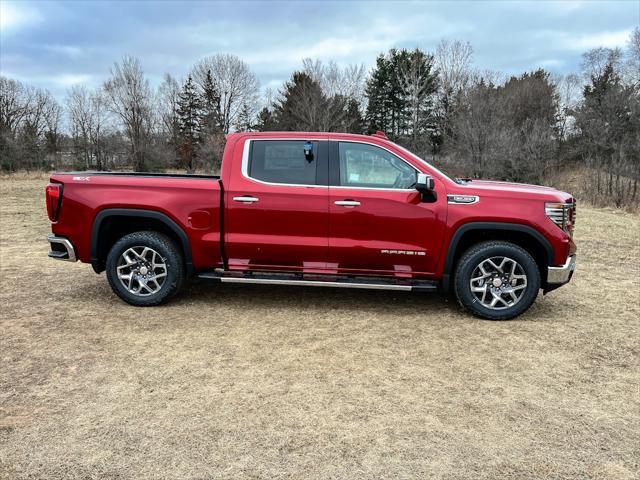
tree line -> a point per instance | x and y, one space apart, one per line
477 124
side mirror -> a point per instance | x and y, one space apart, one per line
426 186
425 183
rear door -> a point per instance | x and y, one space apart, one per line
277 214
379 224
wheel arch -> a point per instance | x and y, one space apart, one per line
524 236
112 224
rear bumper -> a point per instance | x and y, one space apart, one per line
61 249
558 276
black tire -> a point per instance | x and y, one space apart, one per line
170 256
487 250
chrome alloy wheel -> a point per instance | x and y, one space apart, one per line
498 282
142 271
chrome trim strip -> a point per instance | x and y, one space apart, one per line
245 162
561 274
452 201
377 188
67 245
315 283
246 199
373 188
245 165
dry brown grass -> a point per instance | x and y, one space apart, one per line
268 382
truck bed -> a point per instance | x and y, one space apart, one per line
191 202
140 174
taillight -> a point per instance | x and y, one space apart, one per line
54 200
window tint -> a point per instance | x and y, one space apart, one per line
363 165
283 161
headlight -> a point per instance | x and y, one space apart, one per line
562 214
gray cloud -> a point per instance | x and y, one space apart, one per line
55 45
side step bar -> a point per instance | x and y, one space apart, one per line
378 284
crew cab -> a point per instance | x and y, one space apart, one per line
317 209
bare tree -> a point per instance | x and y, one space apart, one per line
633 57
569 89
88 116
507 131
15 102
38 108
270 97
99 130
52 135
80 116
475 129
41 106
348 82
596 60
167 104
609 123
453 59
29 117
417 82
129 97
236 84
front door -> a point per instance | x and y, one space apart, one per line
276 215
379 223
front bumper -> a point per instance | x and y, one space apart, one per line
557 276
61 249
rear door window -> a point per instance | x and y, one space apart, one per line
284 161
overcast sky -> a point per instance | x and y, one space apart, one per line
57 44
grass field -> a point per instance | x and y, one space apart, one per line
283 382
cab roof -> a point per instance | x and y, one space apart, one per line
329 135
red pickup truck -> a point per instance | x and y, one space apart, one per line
317 209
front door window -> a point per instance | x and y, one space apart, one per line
368 166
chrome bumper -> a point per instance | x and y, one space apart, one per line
560 275
61 249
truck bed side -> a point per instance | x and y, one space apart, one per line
192 203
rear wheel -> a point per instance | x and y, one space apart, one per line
497 280
145 268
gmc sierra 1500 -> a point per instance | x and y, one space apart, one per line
318 209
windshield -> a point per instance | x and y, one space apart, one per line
413 155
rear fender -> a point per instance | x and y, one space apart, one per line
98 263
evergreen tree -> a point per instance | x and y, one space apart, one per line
378 92
189 121
303 106
244 123
266 121
400 93
415 83
212 121
609 123
353 123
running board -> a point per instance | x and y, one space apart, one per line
421 285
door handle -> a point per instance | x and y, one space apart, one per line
246 199
347 203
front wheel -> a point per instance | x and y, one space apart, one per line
145 268
496 280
